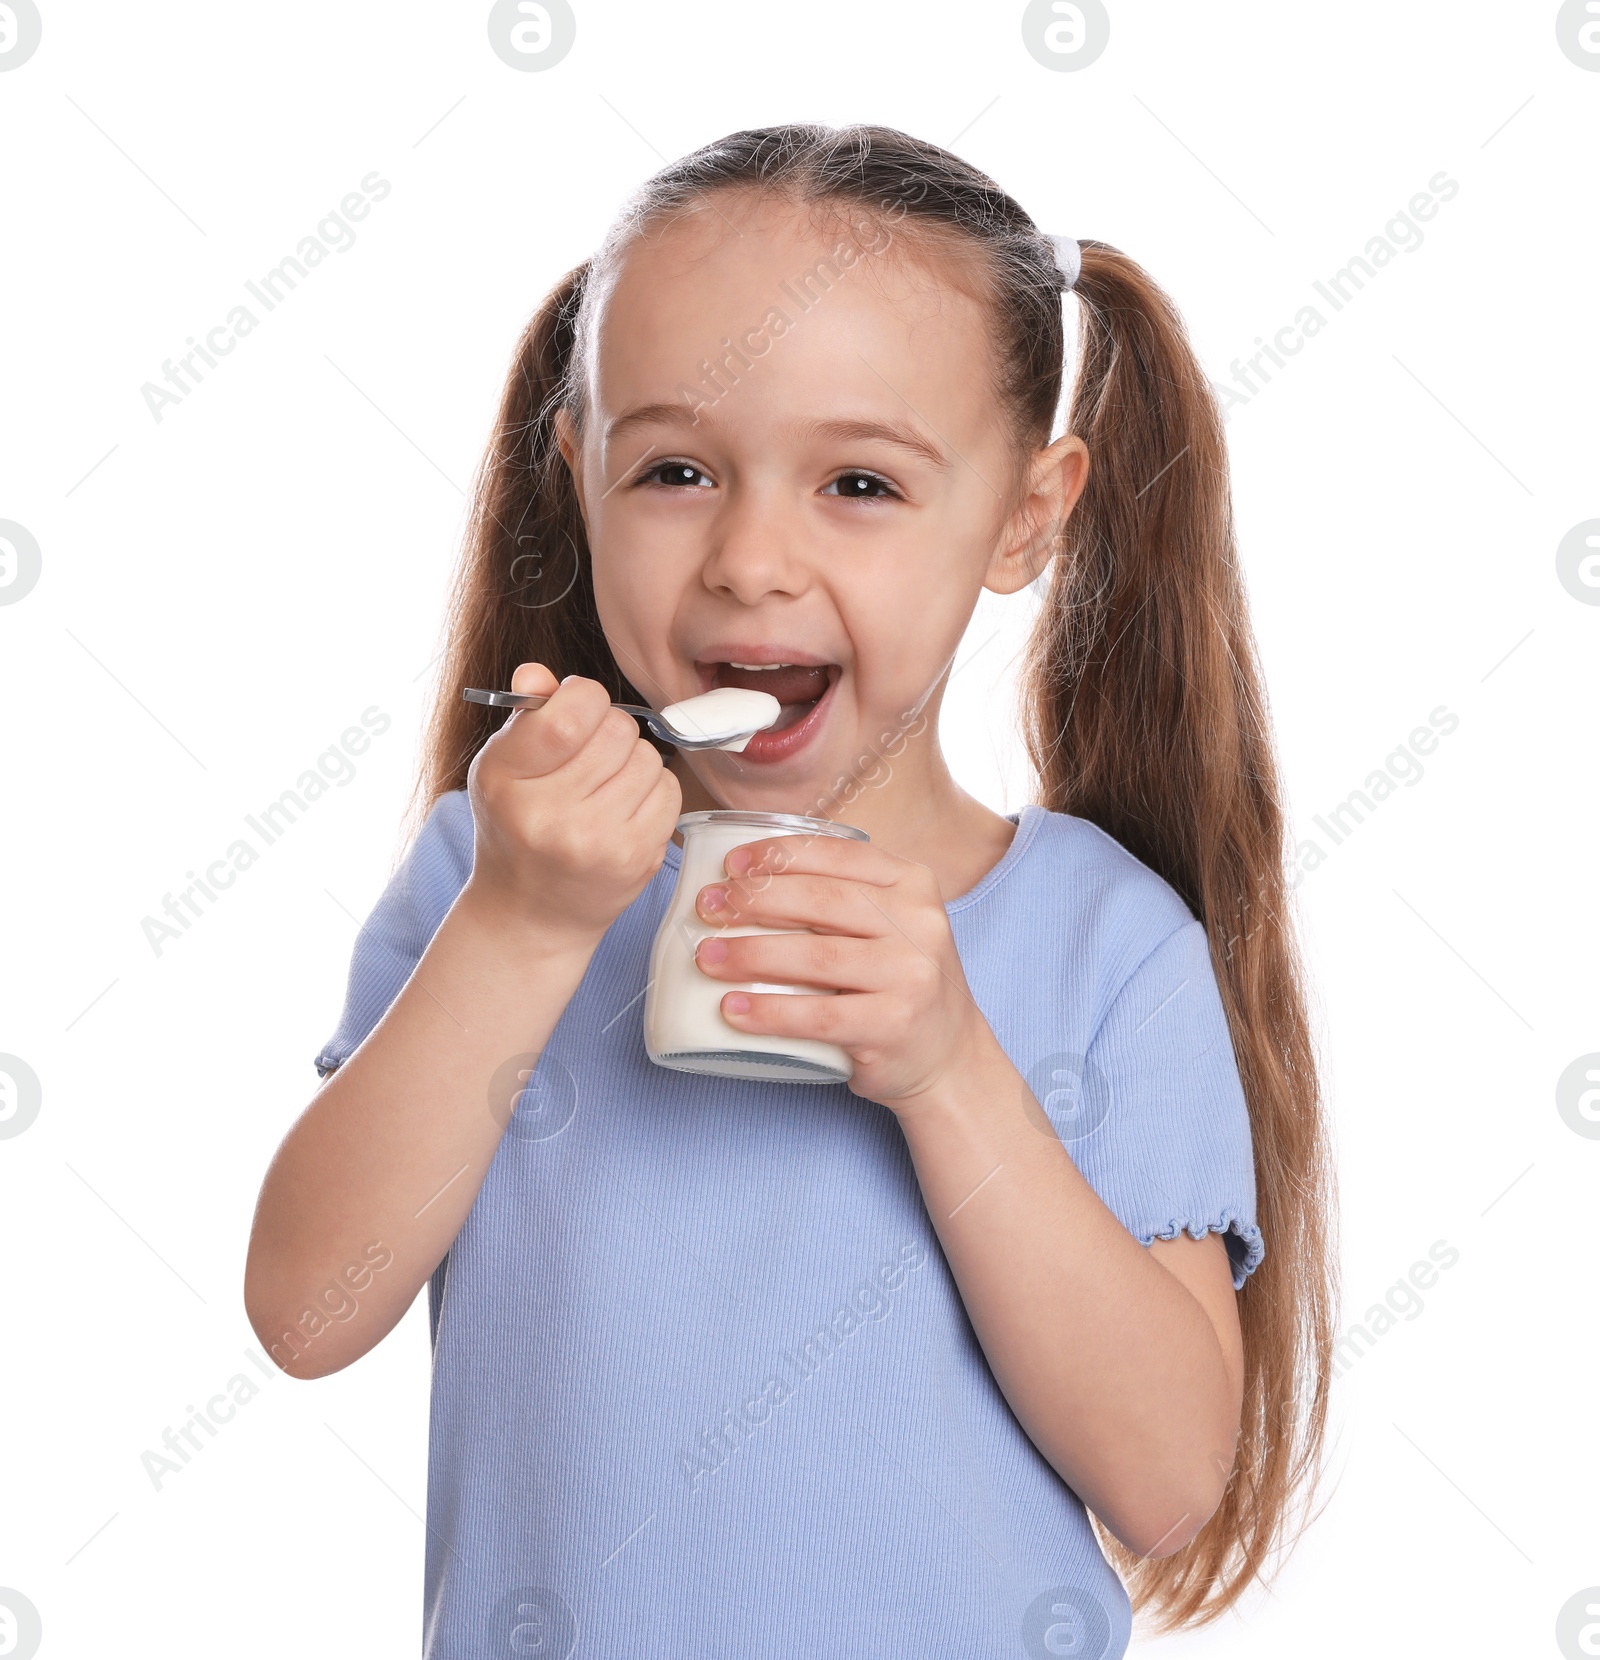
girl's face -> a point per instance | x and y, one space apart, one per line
796 477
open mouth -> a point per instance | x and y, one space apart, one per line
802 690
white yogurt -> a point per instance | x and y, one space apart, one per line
683 1024
730 711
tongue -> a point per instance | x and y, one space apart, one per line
790 685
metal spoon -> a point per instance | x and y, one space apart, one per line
667 734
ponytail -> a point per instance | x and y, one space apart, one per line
1145 714
522 590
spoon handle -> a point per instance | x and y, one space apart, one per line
532 700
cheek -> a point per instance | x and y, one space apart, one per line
640 594
633 615
906 618
646 554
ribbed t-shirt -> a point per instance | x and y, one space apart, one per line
703 1385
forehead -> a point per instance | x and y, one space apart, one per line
829 305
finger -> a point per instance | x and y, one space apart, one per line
622 793
821 902
818 855
849 1019
658 813
533 680
537 742
609 750
827 960
530 680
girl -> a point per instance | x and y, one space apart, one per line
726 1368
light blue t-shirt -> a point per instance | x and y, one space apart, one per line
703 1385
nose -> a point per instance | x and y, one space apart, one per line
756 549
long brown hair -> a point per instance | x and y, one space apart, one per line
1144 711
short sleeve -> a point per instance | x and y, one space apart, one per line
403 922
1162 1131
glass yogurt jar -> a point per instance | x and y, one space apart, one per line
683 1024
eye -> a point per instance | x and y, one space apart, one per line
675 475
859 486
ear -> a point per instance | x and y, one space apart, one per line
567 443
1051 486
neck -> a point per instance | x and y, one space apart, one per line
911 806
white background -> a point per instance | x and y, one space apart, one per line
224 591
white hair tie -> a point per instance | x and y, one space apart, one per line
1069 258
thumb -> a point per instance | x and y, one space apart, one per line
533 679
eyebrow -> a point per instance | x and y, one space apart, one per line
645 415
883 432
901 435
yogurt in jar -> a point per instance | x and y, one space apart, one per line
683 1024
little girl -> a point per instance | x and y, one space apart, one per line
728 1368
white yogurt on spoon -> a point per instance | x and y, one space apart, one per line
729 712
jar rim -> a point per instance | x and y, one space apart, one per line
772 821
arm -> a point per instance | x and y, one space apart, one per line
377 1175
1122 1362
572 813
